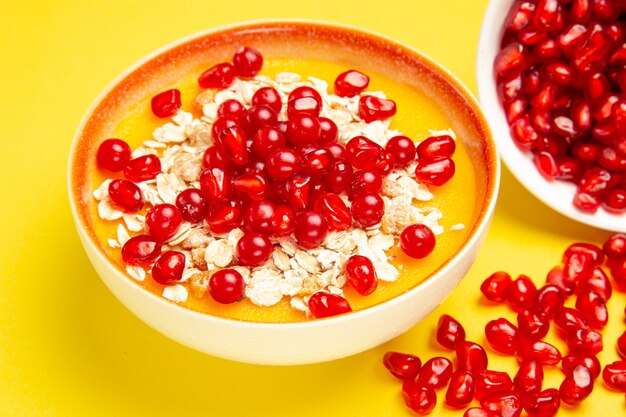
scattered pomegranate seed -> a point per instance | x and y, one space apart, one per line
163 221
496 286
226 286
488 382
502 336
529 377
614 375
450 333
373 108
420 399
247 62
403 150
592 363
168 269
532 324
365 181
311 229
615 246
435 373
192 205
402 365
233 109
224 216
258 116
584 342
471 357
598 282
543 404
593 308
283 221
521 293
567 319
113 155
216 157
437 171
541 351
141 250
332 207
254 249
576 386
325 304
267 96
417 241
460 389
126 195
254 185
351 83
339 176
144 168
218 76
367 209
436 147
328 132
166 104
361 274
216 184
258 216
503 403
548 299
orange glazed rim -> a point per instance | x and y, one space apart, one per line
277 34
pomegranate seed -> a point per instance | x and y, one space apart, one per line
543 352
282 163
614 375
460 390
435 171
515 109
168 269
373 108
226 286
219 126
519 16
310 229
258 217
267 139
435 373
488 382
436 147
547 49
225 216
529 377
495 287
215 184
144 168
283 221
339 176
402 365
365 181
361 274
523 133
503 403
621 345
546 165
233 140
521 293
247 62
351 83
259 116
163 221
569 169
532 324
502 336
113 155
478 412
586 202
450 332
588 250
367 209
590 362
303 129
510 60
325 304
363 153
618 272
599 282
233 109
593 308
332 207
317 162
402 149
166 104
254 185
141 250
218 76
298 188
191 205
615 246
267 96
328 131
567 319
596 87
303 105
126 195
548 299
420 399
471 357
254 249
543 404
584 342
305 91
577 268
615 200
417 241
510 89
576 386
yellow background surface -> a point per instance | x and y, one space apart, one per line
69 348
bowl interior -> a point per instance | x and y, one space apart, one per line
556 194
285 39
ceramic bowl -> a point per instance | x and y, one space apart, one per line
314 340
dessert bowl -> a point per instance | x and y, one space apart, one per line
556 194
308 341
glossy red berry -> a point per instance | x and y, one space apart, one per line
267 96
254 249
283 221
168 269
192 205
144 168
488 382
374 108
502 336
548 299
216 184
361 274
233 140
471 357
282 163
541 351
576 386
305 91
258 116
328 131
402 365
615 246
614 375
166 104
460 390
367 209
339 176
584 342
126 195
364 181
325 304
567 319
266 140
420 399
442 146
521 293
333 208
218 76
311 229
437 171
495 287
435 373
163 221
592 363
556 277
307 105
417 241
317 162
529 377
598 282
351 83
141 250
590 251
232 108
113 155
252 184
258 217
543 404
224 216
593 308
226 286
247 62
503 403
303 129
298 191
532 324
450 333
403 150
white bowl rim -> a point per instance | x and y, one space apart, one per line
483 220
555 194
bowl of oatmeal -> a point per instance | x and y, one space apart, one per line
283 192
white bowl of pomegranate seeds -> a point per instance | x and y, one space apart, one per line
551 80
266 217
